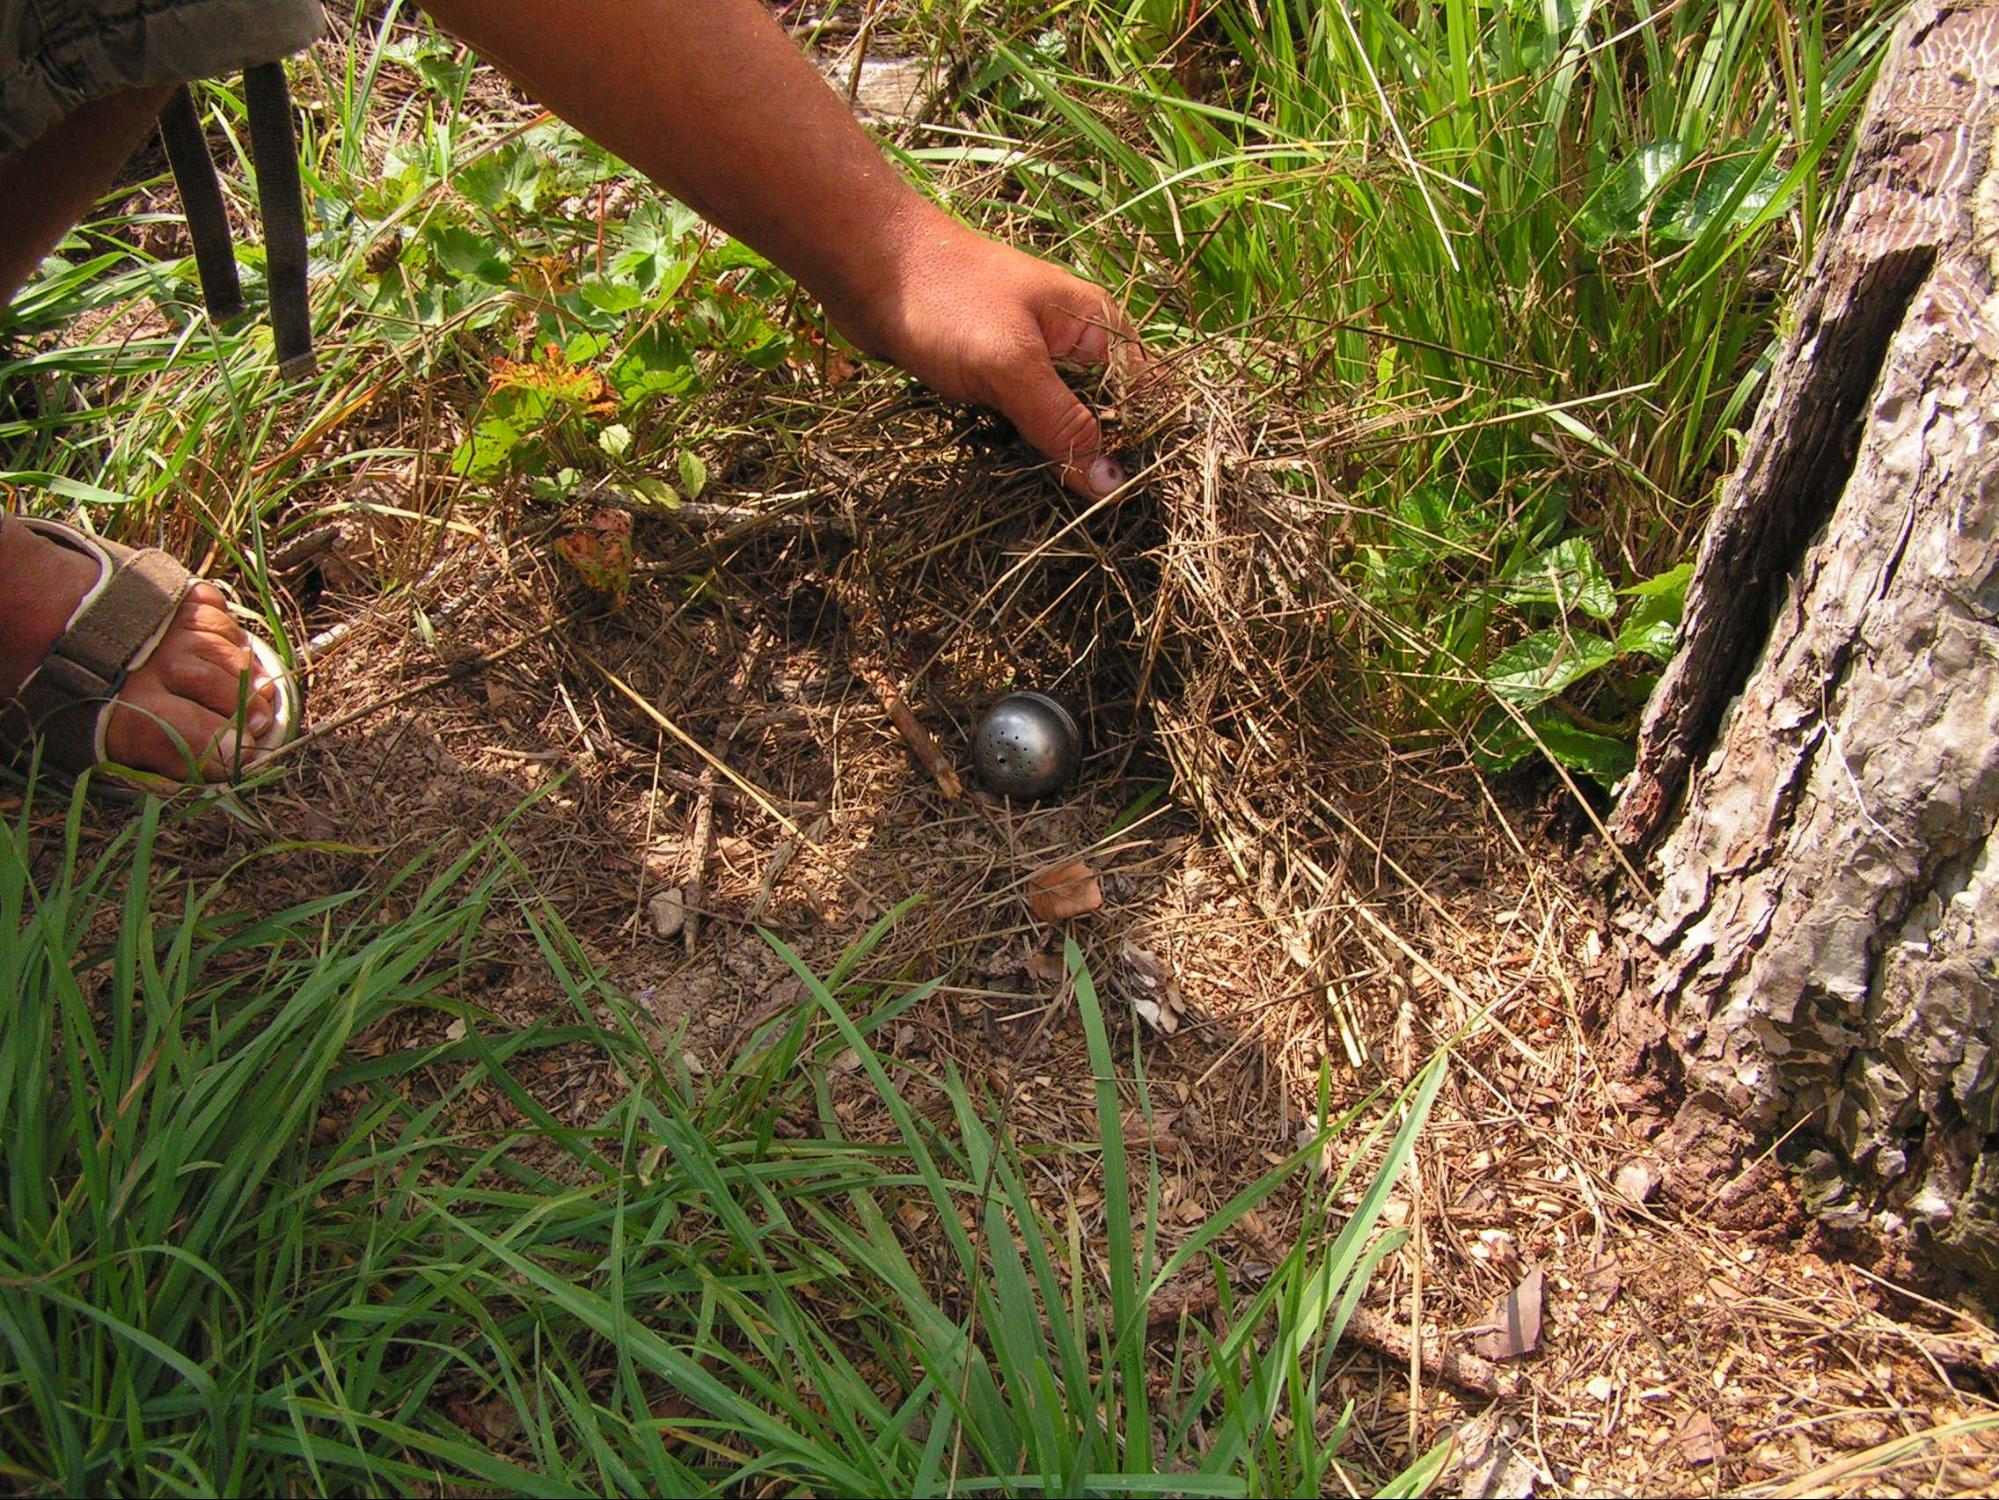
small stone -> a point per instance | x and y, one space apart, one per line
1600 1388
1637 1180
668 910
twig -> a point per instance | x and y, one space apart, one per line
914 735
1368 1329
755 793
780 857
703 843
1466 1371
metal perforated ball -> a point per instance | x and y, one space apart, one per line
1027 746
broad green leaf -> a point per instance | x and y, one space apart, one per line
1656 638
487 449
469 255
1739 186
1616 210
1568 577
656 363
1671 584
693 474
1534 670
511 177
1503 743
610 296
1653 626
1597 755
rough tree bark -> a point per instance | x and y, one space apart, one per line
1818 773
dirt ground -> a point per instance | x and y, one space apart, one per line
716 753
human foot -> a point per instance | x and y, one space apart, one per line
176 712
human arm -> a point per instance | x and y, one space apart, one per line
712 100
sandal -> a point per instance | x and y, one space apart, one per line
66 702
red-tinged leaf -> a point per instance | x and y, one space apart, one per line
601 553
551 375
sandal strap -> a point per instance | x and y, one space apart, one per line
113 631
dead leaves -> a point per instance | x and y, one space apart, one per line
1058 892
550 377
1513 1327
601 553
1699 1442
1154 993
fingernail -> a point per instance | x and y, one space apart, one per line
258 723
1105 476
228 747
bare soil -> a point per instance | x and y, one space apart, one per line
1718 1349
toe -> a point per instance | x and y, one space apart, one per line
173 736
221 688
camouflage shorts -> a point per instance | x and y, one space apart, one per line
58 54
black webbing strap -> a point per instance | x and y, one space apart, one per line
282 199
201 197
280 195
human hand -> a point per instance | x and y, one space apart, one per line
979 321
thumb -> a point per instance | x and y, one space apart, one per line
1048 414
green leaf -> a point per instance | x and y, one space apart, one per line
1653 626
1655 638
1534 670
1739 187
693 474
1616 210
652 239
1597 755
469 256
610 296
511 177
654 491
1671 584
487 449
1502 743
656 363
616 440
1568 577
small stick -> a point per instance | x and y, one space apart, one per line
1368 1329
780 857
704 803
1466 1371
703 843
914 734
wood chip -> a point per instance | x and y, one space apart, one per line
1045 968
1698 1440
1063 890
1513 1327
1605 1280
1490 1467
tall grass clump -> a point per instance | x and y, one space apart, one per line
247 1246
1536 252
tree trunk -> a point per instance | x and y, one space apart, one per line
1818 773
